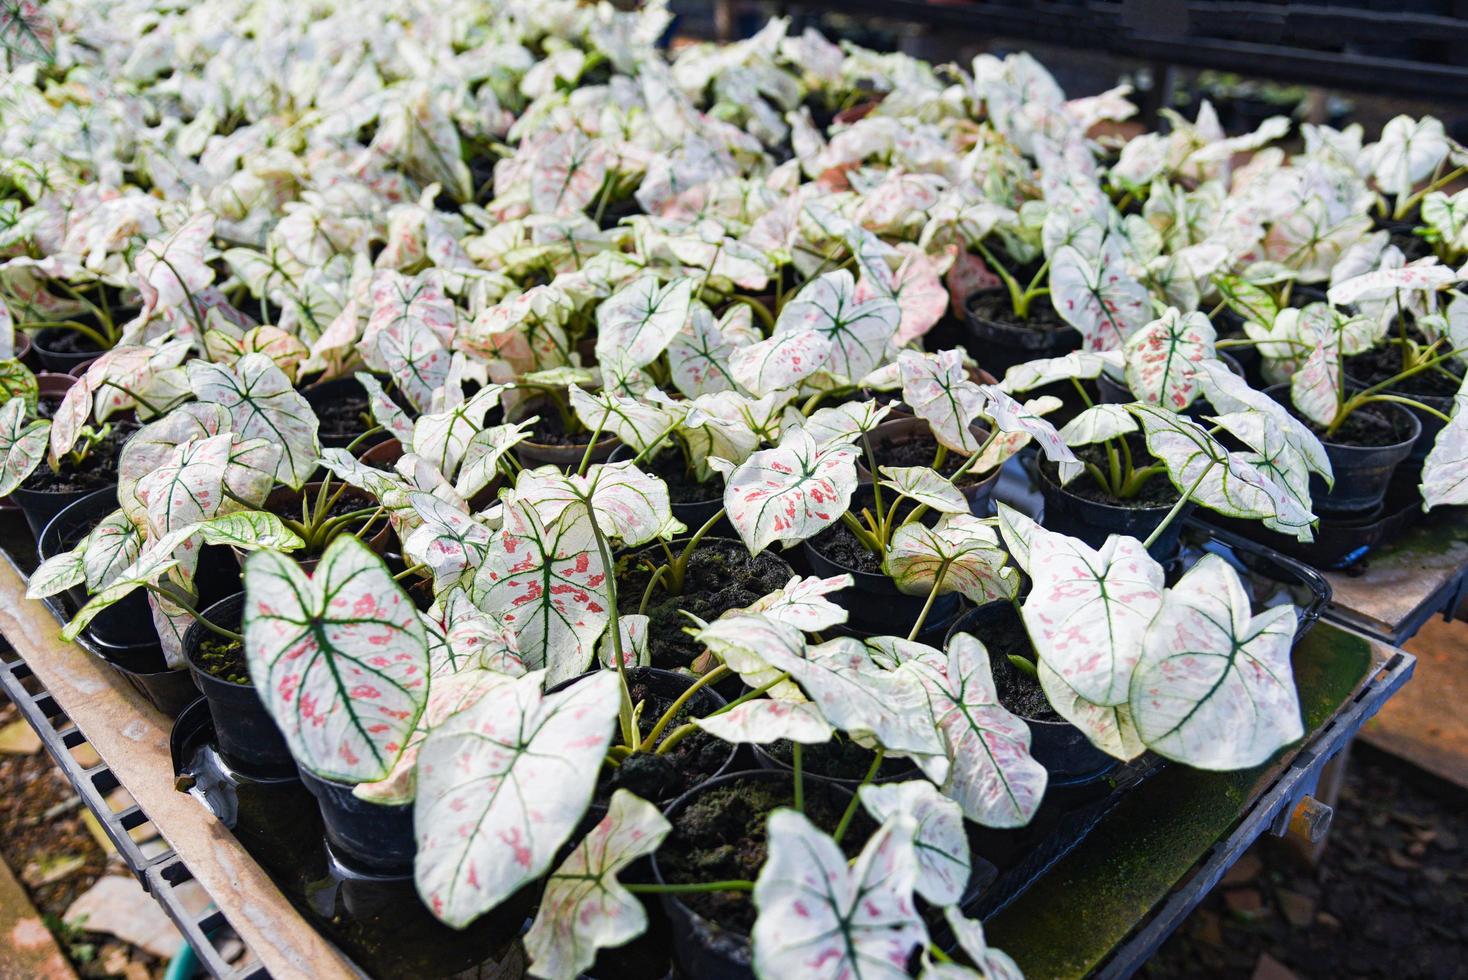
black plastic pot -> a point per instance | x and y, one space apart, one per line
125 623
248 737
60 361
1094 521
1362 473
702 948
899 430
768 760
372 837
875 605
563 457
1431 424
1059 746
40 507
998 345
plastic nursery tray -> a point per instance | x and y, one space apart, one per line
1070 811
1343 541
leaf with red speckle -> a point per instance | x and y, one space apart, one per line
991 773
1161 358
501 786
546 580
859 331
698 355
822 920
567 173
782 361
447 696
802 603
450 542
169 270
27 31
1010 417
408 333
989 963
640 422
939 842
22 445
766 720
1098 296
584 907
1088 609
339 657
937 389
1110 728
845 422
630 506
789 493
1214 688
1315 387
961 548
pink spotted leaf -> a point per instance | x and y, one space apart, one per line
789 493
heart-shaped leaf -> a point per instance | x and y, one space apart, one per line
938 391
939 841
640 422
1077 365
749 645
1098 296
699 354
1161 357
339 657
782 361
629 505
547 581
924 485
1214 688
1228 394
23 445
1315 387
991 772
788 493
859 332
1445 471
821 919
765 720
481 463
1088 609
449 541
407 334
1109 728
170 269
262 404
961 550
502 785
584 907
636 323
802 603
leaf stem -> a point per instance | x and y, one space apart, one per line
917 627
1177 507
717 674
688 888
856 796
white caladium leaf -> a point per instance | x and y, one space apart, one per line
584 907
938 391
262 404
447 696
699 354
1161 357
859 332
1097 296
1078 365
991 774
821 919
1110 728
23 445
765 720
871 704
386 412
450 542
1229 394
340 658
155 442
989 963
637 322
1388 283
170 270
57 574
749 645
939 841
961 550
632 629
630 505
1445 471
782 361
408 333
802 603
1010 417
1088 609
842 423
1409 150
1214 688
640 422
547 581
926 486
443 438
1315 387
1202 467
788 493
481 462
1097 424
567 173
502 785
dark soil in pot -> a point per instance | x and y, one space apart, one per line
1434 388
840 760
551 442
696 758
840 546
998 340
45 492
1084 510
721 576
345 412
910 442
719 834
221 657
